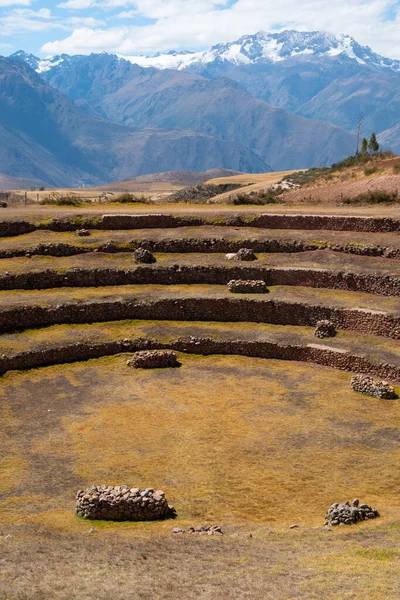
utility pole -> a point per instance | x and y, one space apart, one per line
359 129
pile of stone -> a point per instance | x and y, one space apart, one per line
153 359
246 254
325 329
141 255
82 232
109 247
120 503
372 387
247 286
200 530
348 514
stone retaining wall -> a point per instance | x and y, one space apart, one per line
260 310
312 353
370 283
156 221
120 503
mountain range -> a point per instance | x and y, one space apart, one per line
280 101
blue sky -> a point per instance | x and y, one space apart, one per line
126 27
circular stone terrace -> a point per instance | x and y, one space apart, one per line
258 424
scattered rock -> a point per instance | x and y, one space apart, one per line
3 204
325 329
231 255
346 514
153 359
82 232
294 526
372 387
247 286
109 247
141 255
200 530
246 254
119 503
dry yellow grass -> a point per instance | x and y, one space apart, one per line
231 439
252 183
252 178
254 445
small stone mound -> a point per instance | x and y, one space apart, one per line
247 286
82 232
246 254
141 255
325 329
200 530
120 503
153 359
109 247
372 387
3 204
348 514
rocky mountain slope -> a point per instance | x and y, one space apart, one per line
313 74
43 135
146 97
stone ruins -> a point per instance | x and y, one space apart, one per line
324 329
153 359
245 254
120 503
348 514
247 286
141 255
372 387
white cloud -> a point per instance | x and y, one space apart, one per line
7 3
78 4
22 20
195 24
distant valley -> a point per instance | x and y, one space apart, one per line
265 102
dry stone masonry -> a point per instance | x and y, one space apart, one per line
372 387
200 530
82 232
141 255
250 286
245 254
325 329
153 359
120 503
348 514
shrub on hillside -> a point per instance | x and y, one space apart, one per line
374 197
202 192
270 196
127 198
370 170
61 200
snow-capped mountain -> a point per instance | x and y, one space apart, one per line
259 48
41 65
313 74
264 47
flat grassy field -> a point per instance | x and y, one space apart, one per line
36 213
251 444
306 295
230 234
323 259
